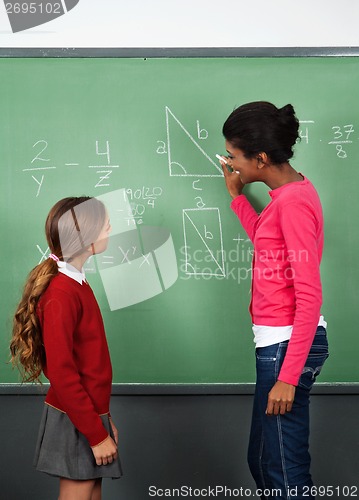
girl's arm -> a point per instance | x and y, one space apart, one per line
58 317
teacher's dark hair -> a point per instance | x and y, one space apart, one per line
261 127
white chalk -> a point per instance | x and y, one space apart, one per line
226 162
222 159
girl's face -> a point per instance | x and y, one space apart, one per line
101 243
248 168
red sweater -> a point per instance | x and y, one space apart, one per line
78 363
286 286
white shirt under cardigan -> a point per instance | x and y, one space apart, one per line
265 336
71 271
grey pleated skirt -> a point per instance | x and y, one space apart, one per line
63 451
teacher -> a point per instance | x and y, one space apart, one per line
289 331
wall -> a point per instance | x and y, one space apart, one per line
192 441
184 23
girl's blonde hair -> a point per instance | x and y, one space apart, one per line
72 226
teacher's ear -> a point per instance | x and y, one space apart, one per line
262 159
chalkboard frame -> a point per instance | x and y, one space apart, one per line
149 389
178 52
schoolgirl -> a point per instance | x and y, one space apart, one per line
58 331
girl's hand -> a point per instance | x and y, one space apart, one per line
280 398
233 181
105 452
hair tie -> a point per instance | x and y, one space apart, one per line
54 257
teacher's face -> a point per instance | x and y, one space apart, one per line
248 168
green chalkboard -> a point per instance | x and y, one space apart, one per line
143 133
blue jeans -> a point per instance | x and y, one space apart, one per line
278 453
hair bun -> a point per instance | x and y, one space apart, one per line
289 122
287 112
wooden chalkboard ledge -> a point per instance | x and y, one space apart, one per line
337 388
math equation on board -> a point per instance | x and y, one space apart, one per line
40 165
101 169
341 136
203 253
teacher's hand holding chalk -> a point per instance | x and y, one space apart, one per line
233 179
224 160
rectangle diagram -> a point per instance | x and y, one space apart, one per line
203 242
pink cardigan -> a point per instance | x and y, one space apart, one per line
286 287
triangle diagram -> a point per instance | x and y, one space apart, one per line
186 158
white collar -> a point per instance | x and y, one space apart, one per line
71 272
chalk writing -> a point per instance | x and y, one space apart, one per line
104 171
180 143
35 165
304 129
202 229
342 135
